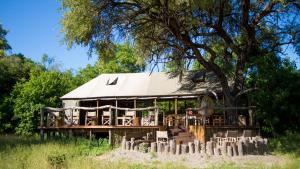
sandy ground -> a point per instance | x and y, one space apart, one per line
193 160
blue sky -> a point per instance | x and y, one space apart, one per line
34 30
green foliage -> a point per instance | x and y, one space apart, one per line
287 143
4 46
278 94
123 59
13 69
43 89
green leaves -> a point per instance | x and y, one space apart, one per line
41 90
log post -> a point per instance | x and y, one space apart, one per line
136 148
132 143
110 142
223 148
172 147
167 149
153 147
202 150
216 151
128 145
229 151
209 148
123 144
246 147
159 147
197 146
184 149
178 149
240 148
233 145
191 147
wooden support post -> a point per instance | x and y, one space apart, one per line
111 117
42 124
90 134
72 117
97 111
250 117
134 103
175 106
110 141
156 117
240 148
116 113
123 144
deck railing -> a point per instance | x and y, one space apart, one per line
54 117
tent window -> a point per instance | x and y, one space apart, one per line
114 82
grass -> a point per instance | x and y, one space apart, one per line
23 153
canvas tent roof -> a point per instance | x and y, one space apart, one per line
142 85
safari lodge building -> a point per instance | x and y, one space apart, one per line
188 106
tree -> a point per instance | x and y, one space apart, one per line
13 69
122 58
241 30
43 88
4 46
279 94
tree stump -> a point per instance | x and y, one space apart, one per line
184 149
172 147
191 147
178 149
153 147
209 148
240 148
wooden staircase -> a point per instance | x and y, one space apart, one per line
181 135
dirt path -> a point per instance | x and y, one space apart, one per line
194 160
